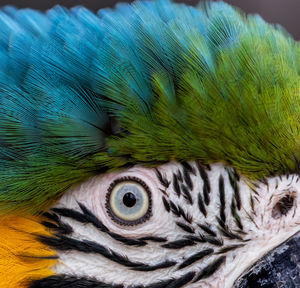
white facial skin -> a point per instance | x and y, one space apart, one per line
263 226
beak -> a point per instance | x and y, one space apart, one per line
280 268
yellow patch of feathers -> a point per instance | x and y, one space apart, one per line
21 255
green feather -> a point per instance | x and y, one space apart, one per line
146 83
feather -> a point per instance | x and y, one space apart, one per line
23 258
144 83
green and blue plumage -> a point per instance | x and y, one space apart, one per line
144 83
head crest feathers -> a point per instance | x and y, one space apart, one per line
144 83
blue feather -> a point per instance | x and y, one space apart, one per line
66 77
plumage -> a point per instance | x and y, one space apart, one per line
158 142
144 83
23 258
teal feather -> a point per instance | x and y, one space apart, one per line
146 83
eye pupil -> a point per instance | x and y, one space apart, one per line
129 199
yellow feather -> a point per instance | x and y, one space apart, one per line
20 252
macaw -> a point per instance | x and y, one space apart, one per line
153 145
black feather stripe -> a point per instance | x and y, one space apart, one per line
166 204
206 184
195 257
188 168
146 267
153 239
62 243
87 217
178 244
58 226
207 229
233 179
176 186
180 282
201 205
187 178
65 281
186 194
210 269
162 179
179 212
223 228
222 198
185 227
236 216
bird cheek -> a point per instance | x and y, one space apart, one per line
93 193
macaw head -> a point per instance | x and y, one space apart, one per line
155 145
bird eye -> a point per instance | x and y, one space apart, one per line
128 201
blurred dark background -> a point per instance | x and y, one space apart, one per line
284 12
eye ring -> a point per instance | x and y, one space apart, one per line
112 214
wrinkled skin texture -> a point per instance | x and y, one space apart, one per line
226 220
